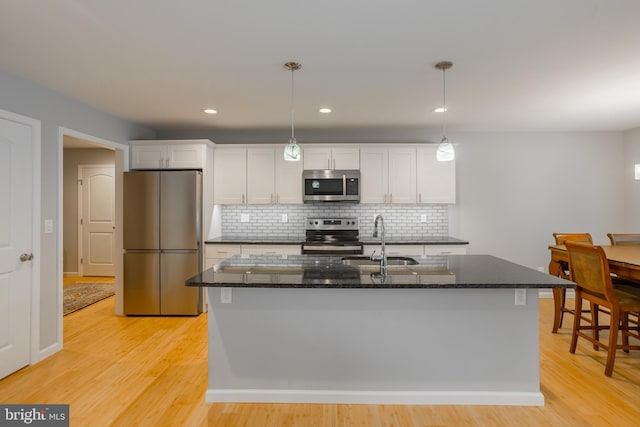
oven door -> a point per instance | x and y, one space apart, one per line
342 248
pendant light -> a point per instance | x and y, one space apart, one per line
292 149
445 151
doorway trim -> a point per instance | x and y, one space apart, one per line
121 165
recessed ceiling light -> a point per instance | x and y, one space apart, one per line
210 111
325 110
440 110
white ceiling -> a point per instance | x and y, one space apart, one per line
544 65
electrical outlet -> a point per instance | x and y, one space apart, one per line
541 269
285 218
423 218
226 295
521 297
244 217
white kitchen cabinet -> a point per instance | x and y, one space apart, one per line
436 181
261 176
169 154
388 174
331 158
394 250
271 179
230 176
445 249
216 253
271 249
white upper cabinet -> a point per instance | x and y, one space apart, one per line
256 175
169 154
261 176
402 175
331 158
398 174
288 179
230 176
374 174
436 180
388 174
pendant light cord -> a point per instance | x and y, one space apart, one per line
292 108
444 105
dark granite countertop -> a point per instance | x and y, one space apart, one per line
324 271
247 239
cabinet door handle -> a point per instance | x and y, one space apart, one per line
166 161
419 197
278 198
390 198
243 199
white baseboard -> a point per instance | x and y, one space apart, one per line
71 274
376 397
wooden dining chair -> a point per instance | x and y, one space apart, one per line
624 238
589 268
560 295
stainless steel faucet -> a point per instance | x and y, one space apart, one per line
383 258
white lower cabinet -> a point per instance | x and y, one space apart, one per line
416 250
395 250
216 253
445 249
271 249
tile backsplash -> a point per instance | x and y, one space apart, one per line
400 220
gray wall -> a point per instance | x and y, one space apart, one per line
54 111
515 189
74 157
632 187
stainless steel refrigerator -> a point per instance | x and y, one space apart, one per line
162 242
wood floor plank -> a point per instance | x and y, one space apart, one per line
131 371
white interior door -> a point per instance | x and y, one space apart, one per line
97 220
16 241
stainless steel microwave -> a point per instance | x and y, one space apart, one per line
327 185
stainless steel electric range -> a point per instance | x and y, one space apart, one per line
332 236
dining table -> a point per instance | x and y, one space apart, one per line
624 262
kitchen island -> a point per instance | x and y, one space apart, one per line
460 329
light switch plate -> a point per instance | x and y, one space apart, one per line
285 218
423 218
521 297
48 226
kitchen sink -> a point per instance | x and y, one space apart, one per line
362 260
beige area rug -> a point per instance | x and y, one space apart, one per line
82 294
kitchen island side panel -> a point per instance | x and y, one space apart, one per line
374 346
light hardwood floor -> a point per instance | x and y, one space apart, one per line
119 371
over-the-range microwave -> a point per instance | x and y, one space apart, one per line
329 185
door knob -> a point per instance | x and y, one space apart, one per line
26 257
